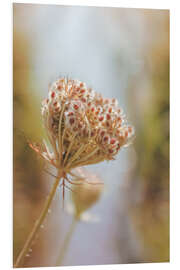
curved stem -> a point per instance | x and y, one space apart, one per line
66 242
38 223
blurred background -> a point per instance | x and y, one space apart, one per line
121 53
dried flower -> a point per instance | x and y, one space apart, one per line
83 128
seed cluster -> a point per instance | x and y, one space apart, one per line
83 127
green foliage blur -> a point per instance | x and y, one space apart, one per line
27 184
151 214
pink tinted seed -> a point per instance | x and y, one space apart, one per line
126 133
112 141
82 91
53 94
70 113
71 121
130 129
76 107
92 109
106 138
101 118
108 116
102 133
83 100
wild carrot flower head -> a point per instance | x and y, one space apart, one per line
83 127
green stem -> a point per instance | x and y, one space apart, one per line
38 223
66 242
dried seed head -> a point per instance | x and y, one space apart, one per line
82 126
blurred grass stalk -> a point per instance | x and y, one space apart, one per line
66 242
84 197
